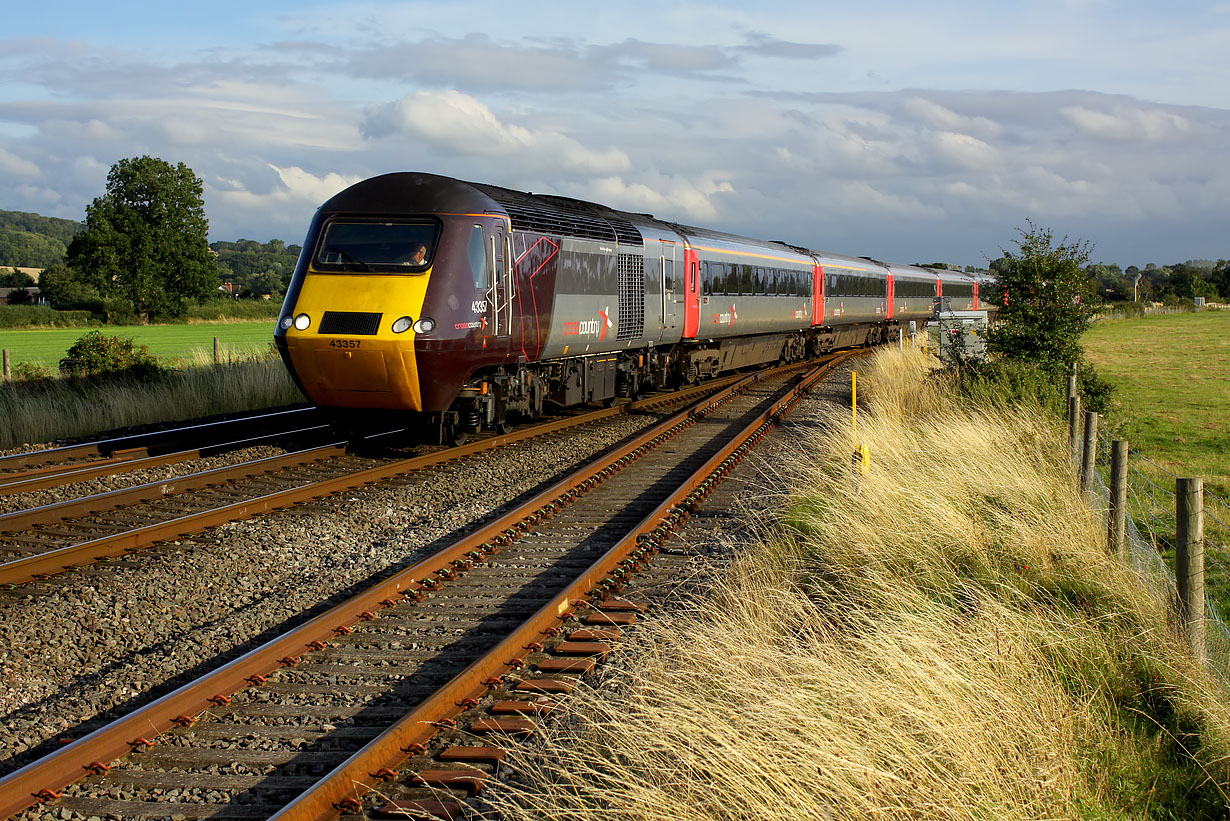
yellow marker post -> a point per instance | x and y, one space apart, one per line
861 458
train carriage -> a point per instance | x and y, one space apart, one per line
466 303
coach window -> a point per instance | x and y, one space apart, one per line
478 259
668 274
707 279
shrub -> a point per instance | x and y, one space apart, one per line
30 372
25 316
96 355
242 309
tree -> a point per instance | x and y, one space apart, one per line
145 239
1049 301
1221 277
15 279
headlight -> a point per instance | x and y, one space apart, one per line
400 326
286 322
303 321
425 325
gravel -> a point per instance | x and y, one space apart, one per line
117 481
100 642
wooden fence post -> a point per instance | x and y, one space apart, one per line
1116 518
1089 452
1074 428
217 356
1189 561
8 367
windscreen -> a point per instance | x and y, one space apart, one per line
357 246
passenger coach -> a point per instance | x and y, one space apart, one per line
468 304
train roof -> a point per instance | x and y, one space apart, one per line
413 192
416 192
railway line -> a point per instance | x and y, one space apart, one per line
42 541
481 635
22 472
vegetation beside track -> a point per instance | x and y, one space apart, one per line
951 640
1171 375
44 410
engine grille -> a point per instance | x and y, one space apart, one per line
353 323
631 296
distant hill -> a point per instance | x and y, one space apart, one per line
32 240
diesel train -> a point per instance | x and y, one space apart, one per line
469 304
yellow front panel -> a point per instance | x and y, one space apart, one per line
359 370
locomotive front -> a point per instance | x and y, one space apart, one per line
388 305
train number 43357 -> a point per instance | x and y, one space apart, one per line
345 343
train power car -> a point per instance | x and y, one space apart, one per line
467 304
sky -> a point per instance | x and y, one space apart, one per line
903 131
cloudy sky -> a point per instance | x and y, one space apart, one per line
904 131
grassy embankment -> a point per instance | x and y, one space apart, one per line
952 642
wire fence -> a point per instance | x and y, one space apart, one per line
1151 528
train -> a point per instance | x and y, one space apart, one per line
461 306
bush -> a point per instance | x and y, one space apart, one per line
98 355
15 279
25 316
221 309
30 372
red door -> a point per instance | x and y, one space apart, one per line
892 292
817 305
691 294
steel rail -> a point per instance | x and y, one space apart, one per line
39 780
57 511
141 441
30 568
79 473
371 765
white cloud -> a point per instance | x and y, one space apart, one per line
1138 124
940 117
297 187
460 124
17 168
961 150
661 194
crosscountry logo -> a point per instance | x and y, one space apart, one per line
606 322
591 327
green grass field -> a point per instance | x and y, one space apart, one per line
1172 389
172 344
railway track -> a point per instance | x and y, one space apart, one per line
476 641
39 542
22 472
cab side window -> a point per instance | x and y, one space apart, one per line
478 259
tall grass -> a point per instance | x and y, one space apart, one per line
49 409
948 639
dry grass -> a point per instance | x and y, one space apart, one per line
47 410
950 641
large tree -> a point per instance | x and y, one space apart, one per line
1048 300
145 239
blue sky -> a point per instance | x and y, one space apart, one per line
902 131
